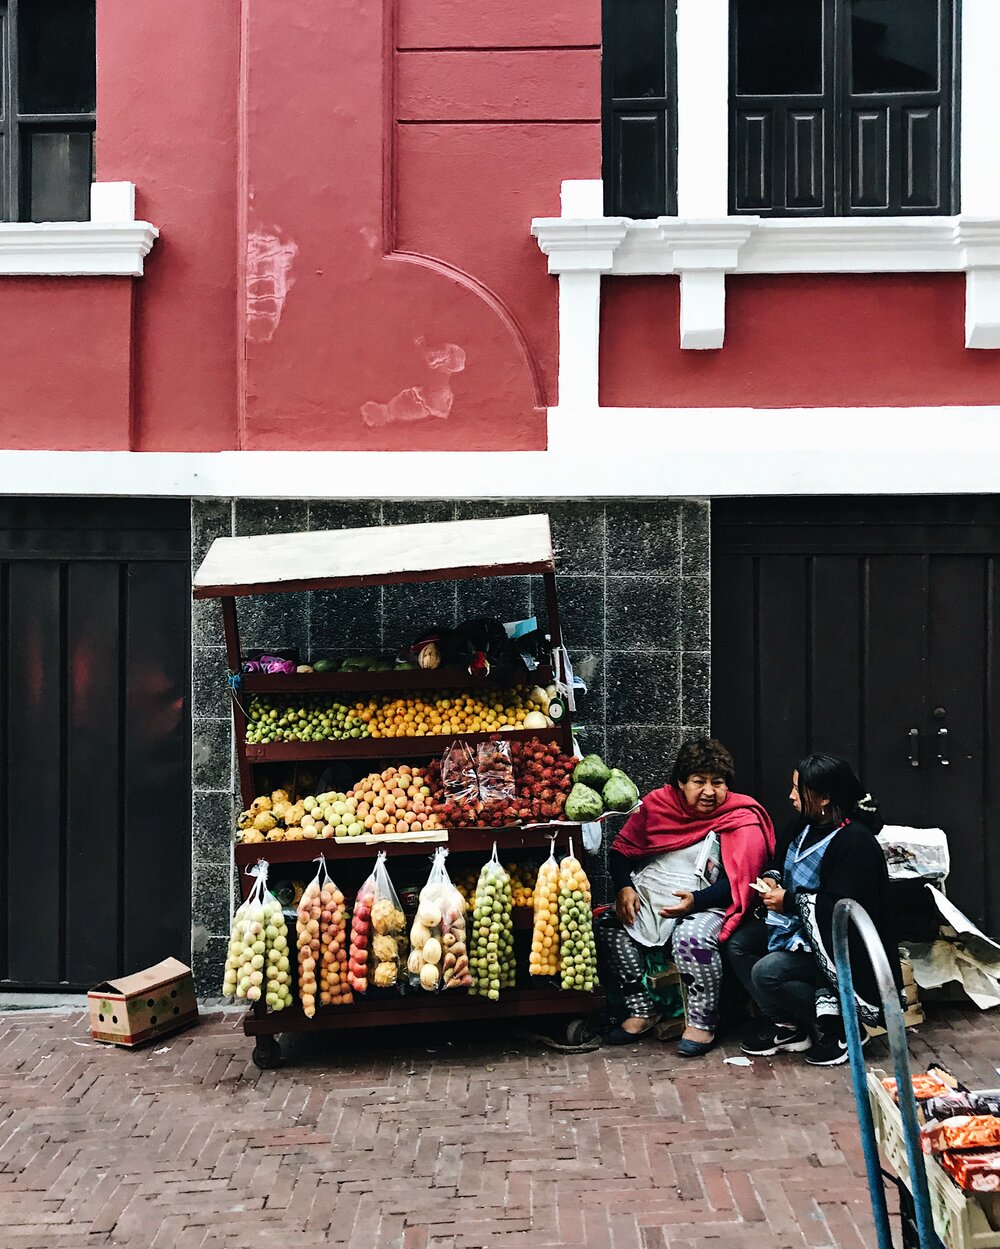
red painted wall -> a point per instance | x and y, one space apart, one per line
344 193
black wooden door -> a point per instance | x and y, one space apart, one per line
95 842
869 628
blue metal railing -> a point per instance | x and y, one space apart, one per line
846 913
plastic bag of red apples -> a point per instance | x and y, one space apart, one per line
542 781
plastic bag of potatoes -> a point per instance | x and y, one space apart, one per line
439 951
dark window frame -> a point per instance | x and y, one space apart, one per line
17 127
838 107
660 198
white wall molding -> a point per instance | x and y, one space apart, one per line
702 252
594 453
111 244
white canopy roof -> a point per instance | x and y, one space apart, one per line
380 553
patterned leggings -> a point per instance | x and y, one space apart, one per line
695 949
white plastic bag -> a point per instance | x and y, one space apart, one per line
439 952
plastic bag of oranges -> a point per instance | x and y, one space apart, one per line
544 958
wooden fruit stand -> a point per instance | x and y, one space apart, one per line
379 556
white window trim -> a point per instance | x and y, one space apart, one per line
111 244
703 244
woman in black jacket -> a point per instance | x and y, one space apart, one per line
829 853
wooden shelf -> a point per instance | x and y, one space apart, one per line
460 841
543 999
308 683
387 747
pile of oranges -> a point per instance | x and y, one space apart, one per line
456 713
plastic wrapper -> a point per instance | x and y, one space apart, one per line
915 853
976 1172
544 958
495 769
984 1101
936 1082
961 1132
459 780
321 938
577 948
948 1106
439 951
491 944
258 962
378 933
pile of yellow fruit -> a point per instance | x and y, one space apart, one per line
451 713
522 886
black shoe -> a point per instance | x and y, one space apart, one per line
694 1049
831 1051
777 1039
618 1035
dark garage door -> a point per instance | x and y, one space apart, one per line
868 627
94 739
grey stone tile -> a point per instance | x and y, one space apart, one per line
211 696
500 598
696 613
206 623
581 609
348 514
696 689
644 613
490 509
646 754
696 537
644 687
211 899
274 622
591 737
210 519
256 516
213 820
348 619
211 754
590 665
578 535
410 609
208 961
644 537
417 513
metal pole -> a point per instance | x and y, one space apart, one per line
846 912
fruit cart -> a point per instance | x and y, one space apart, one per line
380 556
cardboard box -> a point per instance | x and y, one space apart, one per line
134 1009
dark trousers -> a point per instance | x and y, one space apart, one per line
782 984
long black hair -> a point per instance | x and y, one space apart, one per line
829 776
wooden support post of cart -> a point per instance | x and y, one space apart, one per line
274 564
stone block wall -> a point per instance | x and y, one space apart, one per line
633 584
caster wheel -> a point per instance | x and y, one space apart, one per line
266 1053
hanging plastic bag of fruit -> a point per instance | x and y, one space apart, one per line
258 965
378 933
439 952
577 949
495 769
544 959
459 779
321 937
491 945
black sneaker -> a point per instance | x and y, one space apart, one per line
777 1039
831 1051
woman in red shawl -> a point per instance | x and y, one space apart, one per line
682 868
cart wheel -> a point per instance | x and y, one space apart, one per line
266 1053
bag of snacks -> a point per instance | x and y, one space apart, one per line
960 1132
577 948
321 937
544 959
459 779
439 953
495 770
378 932
491 946
257 966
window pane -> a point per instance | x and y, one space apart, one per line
894 45
58 174
638 49
779 47
56 56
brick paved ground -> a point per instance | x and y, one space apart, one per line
431 1140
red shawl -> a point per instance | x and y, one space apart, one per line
665 822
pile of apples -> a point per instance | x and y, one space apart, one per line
397 800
